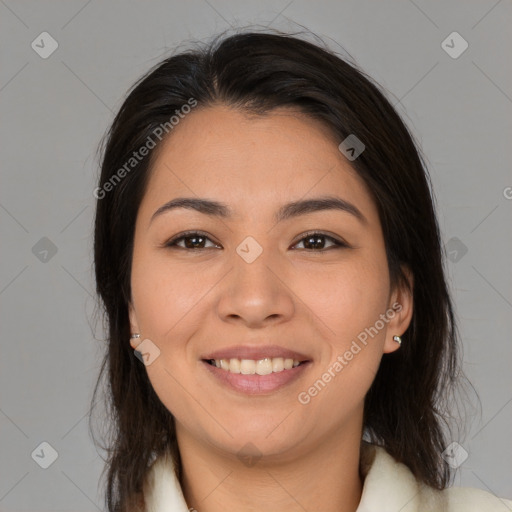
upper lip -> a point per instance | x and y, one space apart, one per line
256 353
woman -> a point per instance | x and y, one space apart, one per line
269 260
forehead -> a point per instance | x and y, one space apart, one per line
251 161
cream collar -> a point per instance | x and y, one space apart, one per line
389 486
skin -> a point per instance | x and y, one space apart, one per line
316 301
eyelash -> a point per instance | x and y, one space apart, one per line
338 244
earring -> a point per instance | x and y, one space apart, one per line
134 336
397 339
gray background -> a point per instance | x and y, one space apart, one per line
54 112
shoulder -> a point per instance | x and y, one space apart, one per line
390 485
162 490
469 499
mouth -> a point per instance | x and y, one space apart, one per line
257 369
247 381
263 366
255 359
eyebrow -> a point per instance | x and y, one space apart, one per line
285 212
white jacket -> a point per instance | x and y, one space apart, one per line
389 486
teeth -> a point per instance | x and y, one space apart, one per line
234 365
263 366
247 367
277 364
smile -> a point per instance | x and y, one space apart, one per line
264 366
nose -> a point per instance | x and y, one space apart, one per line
256 293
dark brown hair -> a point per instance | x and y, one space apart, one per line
406 407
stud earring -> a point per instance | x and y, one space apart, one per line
398 339
134 336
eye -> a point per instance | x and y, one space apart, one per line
313 240
192 240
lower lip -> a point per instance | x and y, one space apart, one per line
257 384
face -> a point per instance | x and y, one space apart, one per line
253 288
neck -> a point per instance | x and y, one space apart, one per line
324 477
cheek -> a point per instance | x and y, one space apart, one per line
347 298
168 305
165 294
349 303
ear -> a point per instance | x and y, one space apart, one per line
401 302
134 326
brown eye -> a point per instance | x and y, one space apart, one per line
195 240
316 242
192 240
